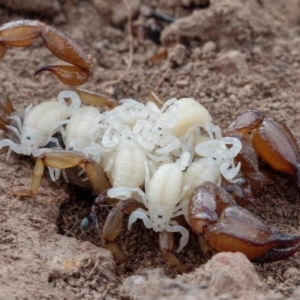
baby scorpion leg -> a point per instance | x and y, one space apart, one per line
229 227
23 33
63 159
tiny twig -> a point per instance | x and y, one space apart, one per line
162 79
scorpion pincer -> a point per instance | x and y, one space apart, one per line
222 225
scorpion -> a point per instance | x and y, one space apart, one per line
179 158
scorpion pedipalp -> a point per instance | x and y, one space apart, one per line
22 33
235 229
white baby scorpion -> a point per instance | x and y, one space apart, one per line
180 115
81 132
40 123
162 196
217 160
126 167
165 126
128 112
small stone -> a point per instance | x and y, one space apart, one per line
209 46
181 83
186 3
145 10
290 273
177 55
119 12
233 97
295 52
132 285
116 10
196 53
231 62
256 50
233 273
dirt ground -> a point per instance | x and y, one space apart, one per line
231 55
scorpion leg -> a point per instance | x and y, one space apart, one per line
166 245
92 98
114 224
6 109
63 159
229 227
23 33
157 99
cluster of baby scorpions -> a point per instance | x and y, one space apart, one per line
159 162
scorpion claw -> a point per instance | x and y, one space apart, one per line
271 140
239 230
23 33
235 229
69 75
287 246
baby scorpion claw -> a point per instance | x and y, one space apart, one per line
23 33
225 226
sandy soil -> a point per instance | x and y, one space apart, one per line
234 55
